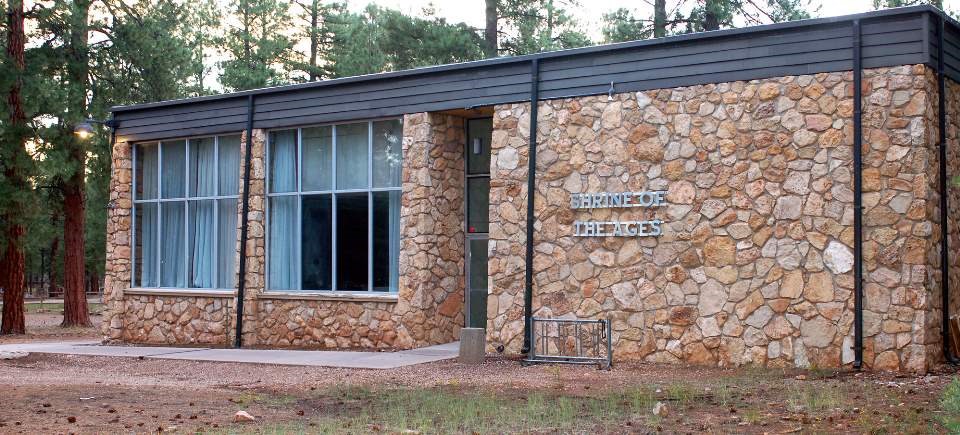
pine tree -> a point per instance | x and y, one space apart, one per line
533 26
258 51
15 165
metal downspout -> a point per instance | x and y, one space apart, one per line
531 190
241 281
857 200
948 355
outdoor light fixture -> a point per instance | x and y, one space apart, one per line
84 129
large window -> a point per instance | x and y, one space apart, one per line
334 207
185 213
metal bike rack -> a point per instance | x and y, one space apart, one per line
568 341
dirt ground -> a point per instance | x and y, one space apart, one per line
43 324
82 394
75 394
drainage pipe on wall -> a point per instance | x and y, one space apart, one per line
531 190
857 200
241 281
948 355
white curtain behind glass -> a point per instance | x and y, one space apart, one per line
353 146
227 243
284 266
147 154
147 239
172 263
203 176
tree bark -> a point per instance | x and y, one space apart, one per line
74 296
710 19
659 18
490 31
12 263
314 39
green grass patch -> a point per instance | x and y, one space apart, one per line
815 398
57 308
950 405
351 409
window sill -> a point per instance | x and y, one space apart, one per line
331 296
178 292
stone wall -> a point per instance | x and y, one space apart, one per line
150 318
428 308
953 198
755 262
901 219
119 219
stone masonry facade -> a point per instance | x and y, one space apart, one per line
428 308
755 262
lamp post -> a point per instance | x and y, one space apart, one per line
85 129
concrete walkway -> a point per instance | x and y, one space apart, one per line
347 359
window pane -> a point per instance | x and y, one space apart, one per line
172 264
202 238
284 270
386 241
145 251
283 161
317 243
317 158
352 241
227 243
146 184
478 146
478 204
352 149
203 162
478 283
174 161
229 161
387 153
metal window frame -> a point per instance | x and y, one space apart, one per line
186 199
468 236
334 193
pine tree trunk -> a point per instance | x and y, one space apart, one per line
11 268
74 294
54 285
710 19
659 18
74 297
314 39
12 262
490 32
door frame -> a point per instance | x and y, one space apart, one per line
468 236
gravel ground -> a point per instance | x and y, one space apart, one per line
42 393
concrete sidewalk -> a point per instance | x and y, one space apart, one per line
319 358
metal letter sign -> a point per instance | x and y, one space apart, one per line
651 228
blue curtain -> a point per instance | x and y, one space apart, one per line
228 148
283 261
172 264
203 182
147 171
227 243
202 236
147 244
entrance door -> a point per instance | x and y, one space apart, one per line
479 132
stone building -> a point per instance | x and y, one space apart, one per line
771 195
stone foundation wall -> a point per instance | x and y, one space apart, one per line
177 320
755 261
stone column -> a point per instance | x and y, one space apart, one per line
901 219
431 294
119 216
255 275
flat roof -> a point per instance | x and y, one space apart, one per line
890 37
